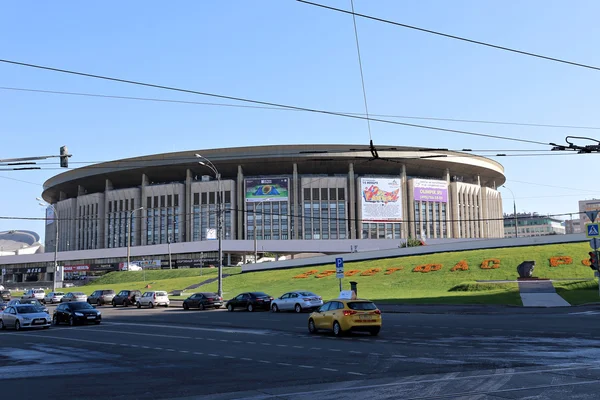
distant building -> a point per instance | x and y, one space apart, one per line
532 224
19 242
573 226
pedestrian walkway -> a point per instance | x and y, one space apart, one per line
540 294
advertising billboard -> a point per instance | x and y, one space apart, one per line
49 215
430 190
381 199
274 189
77 268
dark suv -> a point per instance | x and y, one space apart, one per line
5 294
126 298
101 297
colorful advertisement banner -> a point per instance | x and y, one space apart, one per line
76 268
274 189
381 199
430 190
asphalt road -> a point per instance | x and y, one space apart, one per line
173 354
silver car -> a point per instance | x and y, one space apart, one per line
34 294
24 316
297 301
53 297
74 296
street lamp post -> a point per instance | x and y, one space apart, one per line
129 216
45 204
514 211
254 230
207 163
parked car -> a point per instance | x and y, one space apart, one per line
151 299
297 301
3 306
24 316
34 294
33 302
5 295
74 296
341 316
69 284
126 298
77 312
202 301
250 301
53 297
101 297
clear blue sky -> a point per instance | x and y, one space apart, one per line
288 52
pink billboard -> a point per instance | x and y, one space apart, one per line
430 190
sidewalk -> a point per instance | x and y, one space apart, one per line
540 294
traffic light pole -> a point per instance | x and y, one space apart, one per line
596 252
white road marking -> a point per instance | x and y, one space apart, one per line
376 354
264 361
198 353
355 352
398 356
298 347
315 348
158 348
266 344
246 359
223 340
284 364
334 349
236 341
355 373
230 357
213 355
282 345
305 366
170 350
330 369
250 342
183 351
195 328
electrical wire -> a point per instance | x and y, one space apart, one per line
246 100
362 77
526 53
150 99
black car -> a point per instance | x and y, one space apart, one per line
101 297
5 295
202 301
34 302
76 312
250 301
126 298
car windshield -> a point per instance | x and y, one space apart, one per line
81 306
32 301
124 293
362 305
27 309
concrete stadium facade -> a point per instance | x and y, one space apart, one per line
289 192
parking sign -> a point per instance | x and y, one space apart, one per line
339 268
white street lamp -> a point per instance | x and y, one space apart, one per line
46 204
207 163
129 215
255 240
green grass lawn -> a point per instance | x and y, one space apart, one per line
578 292
439 286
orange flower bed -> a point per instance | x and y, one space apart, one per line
306 274
351 272
586 262
370 272
390 271
425 268
490 263
560 260
460 266
325 273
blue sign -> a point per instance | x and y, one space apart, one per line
339 262
339 268
592 230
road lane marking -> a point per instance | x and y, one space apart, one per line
315 348
230 357
355 352
246 359
250 342
305 366
264 361
198 353
266 344
355 373
330 369
184 351
284 364
282 345
223 340
170 350
213 355
334 349
236 341
298 347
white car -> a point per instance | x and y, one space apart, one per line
53 297
24 316
297 301
151 299
37 294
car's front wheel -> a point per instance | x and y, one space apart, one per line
54 320
274 308
298 308
312 328
250 308
114 304
138 305
201 307
185 306
229 307
151 305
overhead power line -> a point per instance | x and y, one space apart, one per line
526 53
158 100
266 103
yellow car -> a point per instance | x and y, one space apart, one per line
342 315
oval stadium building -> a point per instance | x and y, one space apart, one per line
314 193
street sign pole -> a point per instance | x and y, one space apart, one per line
595 244
339 270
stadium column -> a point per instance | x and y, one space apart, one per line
412 220
241 205
405 202
352 223
479 219
143 220
296 206
449 226
186 207
108 186
453 210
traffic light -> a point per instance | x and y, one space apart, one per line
593 261
64 157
